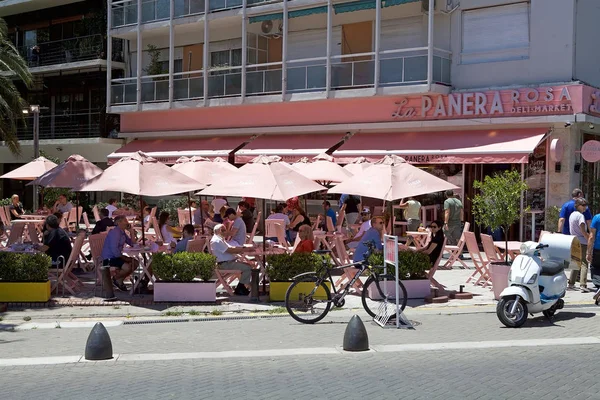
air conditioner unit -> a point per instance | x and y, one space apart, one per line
425 5
272 28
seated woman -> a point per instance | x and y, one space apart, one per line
168 233
299 219
306 244
435 246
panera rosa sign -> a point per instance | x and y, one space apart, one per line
495 103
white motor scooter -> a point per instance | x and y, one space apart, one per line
537 280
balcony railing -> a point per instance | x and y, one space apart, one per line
156 10
305 75
81 48
63 126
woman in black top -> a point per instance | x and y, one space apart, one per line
299 218
15 208
436 244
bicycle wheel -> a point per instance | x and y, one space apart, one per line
374 293
306 302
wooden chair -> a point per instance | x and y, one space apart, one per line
276 228
316 224
5 218
73 215
481 265
456 251
196 245
340 221
66 279
16 233
226 277
330 227
86 221
63 222
96 213
157 233
96 243
434 283
344 259
183 216
491 251
250 237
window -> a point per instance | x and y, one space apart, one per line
225 58
495 34
257 49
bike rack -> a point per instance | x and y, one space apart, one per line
386 310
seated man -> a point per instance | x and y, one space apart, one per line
365 225
112 252
111 207
62 204
226 259
373 235
56 240
104 223
188 234
237 230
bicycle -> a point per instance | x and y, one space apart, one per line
309 291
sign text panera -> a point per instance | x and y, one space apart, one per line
490 103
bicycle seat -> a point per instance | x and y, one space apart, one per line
321 251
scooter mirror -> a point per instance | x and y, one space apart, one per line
561 247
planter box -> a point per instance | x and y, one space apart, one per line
499 273
277 290
24 292
415 289
185 292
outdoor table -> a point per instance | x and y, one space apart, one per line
33 216
31 225
514 248
257 253
418 238
145 259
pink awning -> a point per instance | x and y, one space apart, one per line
289 147
497 146
169 150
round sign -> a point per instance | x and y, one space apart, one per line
556 150
590 151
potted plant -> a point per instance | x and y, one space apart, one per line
498 206
24 277
412 267
281 268
177 274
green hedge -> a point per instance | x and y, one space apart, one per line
24 267
411 264
283 267
183 267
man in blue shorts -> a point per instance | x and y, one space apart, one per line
112 252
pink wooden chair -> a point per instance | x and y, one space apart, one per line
316 224
344 259
73 214
96 213
196 245
340 221
152 220
66 279
63 222
456 251
276 228
5 219
434 283
250 238
491 251
16 233
96 243
481 265
226 277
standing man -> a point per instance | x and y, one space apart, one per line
351 207
567 209
453 217
593 254
412 213
578 228
329 213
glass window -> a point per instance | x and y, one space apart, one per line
263 43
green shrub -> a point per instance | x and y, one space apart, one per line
183 267
5 202
283 267
411 264
24 267
171 207
551 220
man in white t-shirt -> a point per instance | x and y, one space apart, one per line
578 228
226 259
111 207
365 225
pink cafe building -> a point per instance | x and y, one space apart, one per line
462 89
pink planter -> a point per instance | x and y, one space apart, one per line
499 274
185 292
415 289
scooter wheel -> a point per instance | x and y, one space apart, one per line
510 320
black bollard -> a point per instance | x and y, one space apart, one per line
355 337
254 286
98 346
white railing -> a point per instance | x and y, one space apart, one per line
397 68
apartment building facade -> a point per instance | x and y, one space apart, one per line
462 88
64 44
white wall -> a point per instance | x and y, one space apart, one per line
550 51
587 52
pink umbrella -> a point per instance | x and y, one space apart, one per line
203 170
73 172
31 170
392 178
357 165
264 178
322 169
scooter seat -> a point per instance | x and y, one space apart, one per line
551 269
